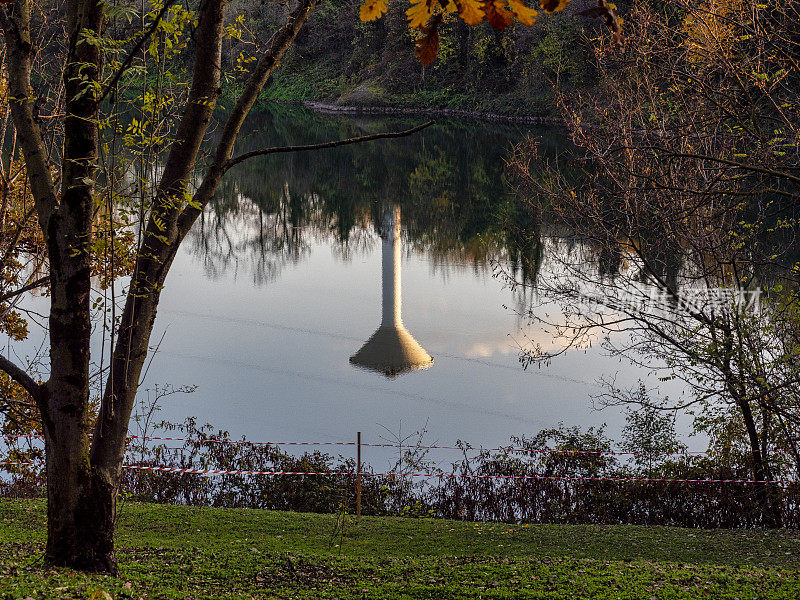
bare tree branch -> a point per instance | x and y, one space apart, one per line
25 288
747 167
333 144
12 247
21 377
17 34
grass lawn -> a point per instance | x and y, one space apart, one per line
180 552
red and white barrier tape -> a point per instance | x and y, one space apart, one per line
409 447
427 475
204 441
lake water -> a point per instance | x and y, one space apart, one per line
286 277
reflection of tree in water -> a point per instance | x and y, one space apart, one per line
448 179
245 237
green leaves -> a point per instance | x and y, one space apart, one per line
122 11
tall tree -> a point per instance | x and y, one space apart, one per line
691 201
83 461
83 476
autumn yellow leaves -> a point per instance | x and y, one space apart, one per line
425 16
499 13
372 9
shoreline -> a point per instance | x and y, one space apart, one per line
325 108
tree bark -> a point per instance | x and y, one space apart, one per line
81 505
78 534
770 510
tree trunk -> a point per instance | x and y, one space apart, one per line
770 509
81 510
80 506
80 503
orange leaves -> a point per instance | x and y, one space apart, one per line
426 15
608 12
427 48
471 11
497 14
428 44
551 6
371 10
524 14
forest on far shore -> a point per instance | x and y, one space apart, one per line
339 59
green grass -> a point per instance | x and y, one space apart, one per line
179 552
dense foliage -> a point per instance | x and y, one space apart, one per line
564 475
340 60
691 201
426 15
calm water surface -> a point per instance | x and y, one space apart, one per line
280 284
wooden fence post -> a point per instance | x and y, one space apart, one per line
358 476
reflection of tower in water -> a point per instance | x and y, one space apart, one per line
391 350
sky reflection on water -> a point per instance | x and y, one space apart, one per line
280 284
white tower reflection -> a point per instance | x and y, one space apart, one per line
391 350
